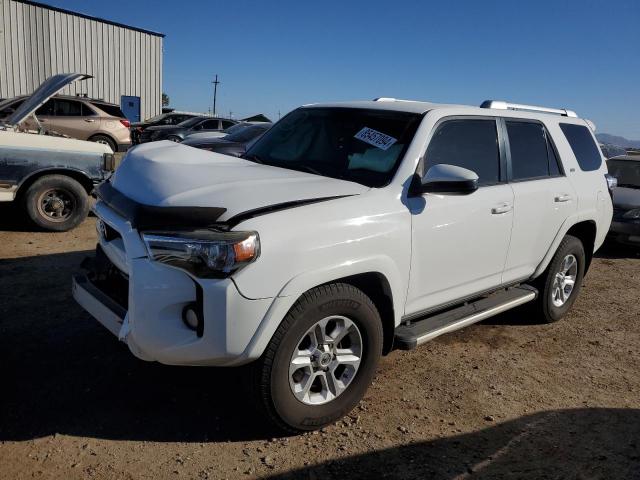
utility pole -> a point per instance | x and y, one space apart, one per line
215 93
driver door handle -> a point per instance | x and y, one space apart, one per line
565 197
502 208
89 120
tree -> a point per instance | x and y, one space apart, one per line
165 100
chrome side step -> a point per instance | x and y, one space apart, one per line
410 335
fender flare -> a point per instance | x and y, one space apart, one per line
293 289
564 228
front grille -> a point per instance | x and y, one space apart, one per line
105 276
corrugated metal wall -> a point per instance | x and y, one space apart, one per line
37 42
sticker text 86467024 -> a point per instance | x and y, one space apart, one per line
375 138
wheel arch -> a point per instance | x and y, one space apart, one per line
584 230
77 175
375 286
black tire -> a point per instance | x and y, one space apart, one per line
53 189
545 307
270 375
105 140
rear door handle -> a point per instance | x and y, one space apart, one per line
503 208
565 197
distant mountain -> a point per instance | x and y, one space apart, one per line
618 141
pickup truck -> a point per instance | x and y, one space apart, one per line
347 230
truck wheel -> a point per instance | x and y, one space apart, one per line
321 358
56 202
104 140
560 285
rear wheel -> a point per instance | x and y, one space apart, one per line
104 140
321 359
561 283
56 202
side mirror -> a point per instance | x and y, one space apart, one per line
443 178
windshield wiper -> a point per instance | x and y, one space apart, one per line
307 168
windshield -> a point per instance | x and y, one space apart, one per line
190 122
358 145
626 171
246 134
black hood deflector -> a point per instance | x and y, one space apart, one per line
144 217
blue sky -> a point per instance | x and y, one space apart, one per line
274 56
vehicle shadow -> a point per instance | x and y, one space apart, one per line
560 444
612 250
13 218
64 373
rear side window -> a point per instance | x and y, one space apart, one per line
583 146
113 110
532 155
467 143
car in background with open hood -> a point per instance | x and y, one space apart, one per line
49 174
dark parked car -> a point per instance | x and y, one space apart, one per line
171 118
234 144
625 227
177 133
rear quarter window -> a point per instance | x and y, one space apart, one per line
113 110
584 148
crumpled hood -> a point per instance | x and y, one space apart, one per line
624 197
167 174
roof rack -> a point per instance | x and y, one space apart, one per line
390 99
501 105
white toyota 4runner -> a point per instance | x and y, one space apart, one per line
347 230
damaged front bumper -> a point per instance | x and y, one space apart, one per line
142 302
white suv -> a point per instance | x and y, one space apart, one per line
347 230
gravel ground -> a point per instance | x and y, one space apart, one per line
507 398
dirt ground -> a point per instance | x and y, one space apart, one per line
507 398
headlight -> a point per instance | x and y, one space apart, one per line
204 253
633 214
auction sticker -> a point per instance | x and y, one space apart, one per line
375 138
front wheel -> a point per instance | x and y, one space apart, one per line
561 283
56 202
321 359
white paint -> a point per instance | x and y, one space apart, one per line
431 249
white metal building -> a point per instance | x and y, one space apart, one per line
37 41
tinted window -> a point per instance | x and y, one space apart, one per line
583 146
113 110
554 164
529 153
190 122
67 108
472 144
46 109
227 123
209 125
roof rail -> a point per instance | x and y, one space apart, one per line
390 99
501 105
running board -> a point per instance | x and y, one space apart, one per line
414 333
